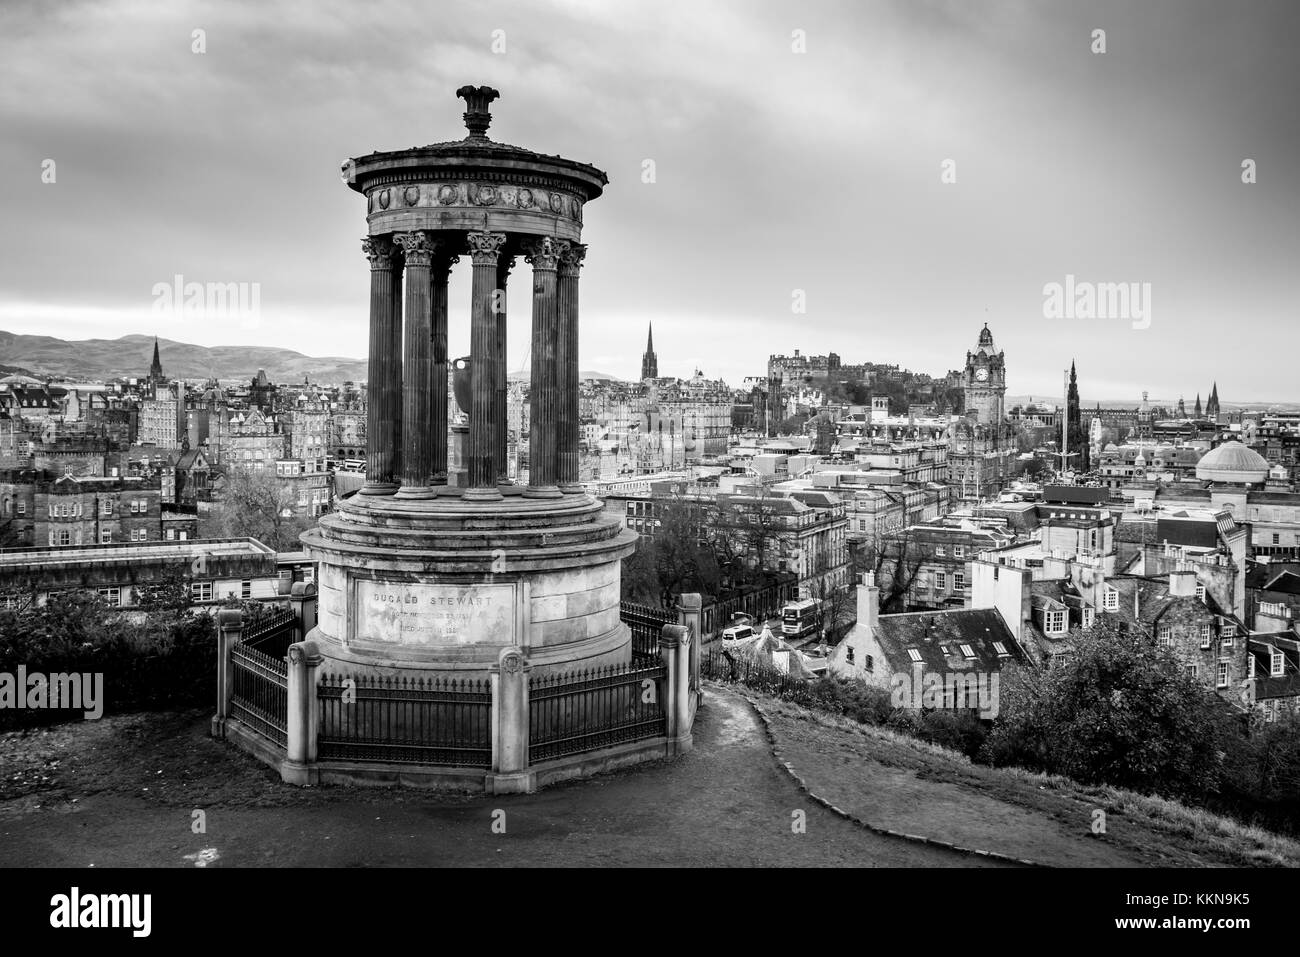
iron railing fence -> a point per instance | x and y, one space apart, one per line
646 623
571 713
722 665
259 695
434 721
271 634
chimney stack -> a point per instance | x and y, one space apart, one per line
1182 584
868 603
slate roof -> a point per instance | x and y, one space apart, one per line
939 635
1288 684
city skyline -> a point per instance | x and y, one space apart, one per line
776 172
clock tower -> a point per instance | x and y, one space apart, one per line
985 384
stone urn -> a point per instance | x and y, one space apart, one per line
460 383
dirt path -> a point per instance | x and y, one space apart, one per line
122 792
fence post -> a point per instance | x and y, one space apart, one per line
302 601
509 676
230 622
679 706
689 615
303 714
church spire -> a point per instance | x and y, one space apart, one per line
649 361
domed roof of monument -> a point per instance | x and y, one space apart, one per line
476 152
1232 462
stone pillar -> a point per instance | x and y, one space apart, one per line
504 265
485 250
302 601
383 388
544 257
509 678
690 615
417 367
230 623
440 273
567 367
669 642
679 701
303 717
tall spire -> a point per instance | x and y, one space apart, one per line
649 361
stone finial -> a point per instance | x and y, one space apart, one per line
478 113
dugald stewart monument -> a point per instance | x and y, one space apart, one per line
466 628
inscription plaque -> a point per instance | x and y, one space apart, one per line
433 615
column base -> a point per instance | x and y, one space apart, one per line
379 488
510 488
572 488
417 492
482 495
542 491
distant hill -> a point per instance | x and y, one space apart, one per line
524 376
130 356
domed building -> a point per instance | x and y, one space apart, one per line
1234 464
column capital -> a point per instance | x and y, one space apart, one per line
485 247
571 258
380 251
544 253
418 246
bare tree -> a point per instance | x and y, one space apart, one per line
256 504
895 559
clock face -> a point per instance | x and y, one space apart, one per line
982 374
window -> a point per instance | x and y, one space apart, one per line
1270 712
959 551
1200 592
968 651
959 580
1110 600
1277 539
1193 671
1227 633
111 595
914 654
1089 615
1221 679
105 536
1164 635
22 507
106 506
1001 649
1205 636
1054 621
171 534
201 591
65 537
943 649
940 580
1276 664
848 654
940 551
246 589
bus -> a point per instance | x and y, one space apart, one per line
800 618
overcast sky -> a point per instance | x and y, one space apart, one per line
776 171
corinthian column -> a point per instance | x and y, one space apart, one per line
485 250
417 436
544 255
383 397
440 272
504 265
567 366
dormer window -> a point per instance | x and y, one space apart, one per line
968 651
1110 600
1054 621
1164 636
1001 649
914 654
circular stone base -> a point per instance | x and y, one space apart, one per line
445 583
